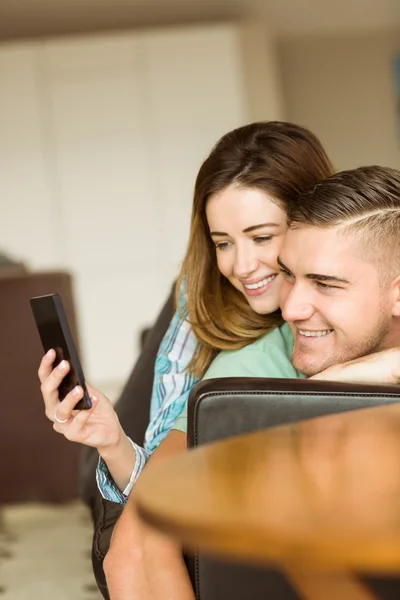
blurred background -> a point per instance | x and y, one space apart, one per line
107 109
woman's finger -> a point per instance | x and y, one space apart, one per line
53 381
60 427
78 423
46 365
50 387
72 429
92 390
65 408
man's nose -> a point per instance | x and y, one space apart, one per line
295 303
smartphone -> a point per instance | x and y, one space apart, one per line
54 331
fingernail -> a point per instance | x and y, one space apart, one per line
62 365
77 390
49 353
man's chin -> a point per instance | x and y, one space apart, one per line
309 367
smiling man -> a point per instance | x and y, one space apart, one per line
341 269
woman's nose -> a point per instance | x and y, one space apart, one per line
245 264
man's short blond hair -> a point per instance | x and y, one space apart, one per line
364 203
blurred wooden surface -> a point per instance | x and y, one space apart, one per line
319 498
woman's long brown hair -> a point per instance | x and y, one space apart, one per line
281 159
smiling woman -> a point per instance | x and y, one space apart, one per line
246 251
230 271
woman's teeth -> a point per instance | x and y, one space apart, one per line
314 333
254 286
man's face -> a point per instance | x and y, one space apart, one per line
333 300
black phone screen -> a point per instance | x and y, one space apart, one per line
52 336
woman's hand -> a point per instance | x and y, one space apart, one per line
98 427
380 367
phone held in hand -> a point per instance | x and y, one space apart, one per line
54 331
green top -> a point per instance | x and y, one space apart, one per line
270 356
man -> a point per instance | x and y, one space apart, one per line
341 269
341 299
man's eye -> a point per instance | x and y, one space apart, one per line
325 286
286 274
262 239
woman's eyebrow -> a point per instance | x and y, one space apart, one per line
254 227
247 230
220 233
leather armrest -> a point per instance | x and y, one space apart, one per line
221 408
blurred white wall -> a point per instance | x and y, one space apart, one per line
342 88
101 138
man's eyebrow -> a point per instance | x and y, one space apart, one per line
330 278
247 230
316 276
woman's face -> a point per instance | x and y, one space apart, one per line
248 230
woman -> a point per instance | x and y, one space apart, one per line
231 284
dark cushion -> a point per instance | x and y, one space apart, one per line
221 408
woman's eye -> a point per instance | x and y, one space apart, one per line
262 239
286 274
222 245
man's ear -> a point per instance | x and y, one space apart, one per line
395 296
